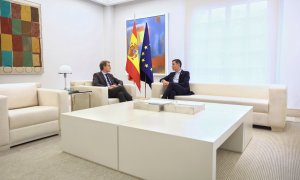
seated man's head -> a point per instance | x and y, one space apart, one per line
105 66
176 65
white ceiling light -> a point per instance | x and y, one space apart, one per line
111 2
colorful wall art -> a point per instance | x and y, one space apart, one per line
157 26
20 42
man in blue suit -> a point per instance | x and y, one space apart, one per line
176 83
115 86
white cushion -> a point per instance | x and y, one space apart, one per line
113 100
32 115
259 105
20 95
231 90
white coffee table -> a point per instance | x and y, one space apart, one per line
157 145
92 133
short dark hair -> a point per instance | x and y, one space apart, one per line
177 61
103 63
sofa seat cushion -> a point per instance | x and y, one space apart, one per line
113 100
259 105
23 117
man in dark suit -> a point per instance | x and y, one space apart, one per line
115 86
176 83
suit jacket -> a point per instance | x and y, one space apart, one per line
99 79
184 79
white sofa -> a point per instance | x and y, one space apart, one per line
28 112
269 101
99 95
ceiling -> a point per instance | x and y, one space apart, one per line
111 2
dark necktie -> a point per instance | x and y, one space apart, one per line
108 80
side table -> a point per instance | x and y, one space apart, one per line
80 100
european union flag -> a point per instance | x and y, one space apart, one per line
146 73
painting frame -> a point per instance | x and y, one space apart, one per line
159 68
26 48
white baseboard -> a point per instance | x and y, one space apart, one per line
293 112
293 119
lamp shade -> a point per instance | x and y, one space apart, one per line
65 69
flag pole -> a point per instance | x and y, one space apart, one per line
145 87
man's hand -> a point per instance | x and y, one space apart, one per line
165 83
112 86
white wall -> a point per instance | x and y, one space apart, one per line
174 9
290 53
72 32
108 32
81 33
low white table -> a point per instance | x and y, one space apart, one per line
92 133
157 145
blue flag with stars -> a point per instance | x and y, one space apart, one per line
146 73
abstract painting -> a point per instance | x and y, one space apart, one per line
20 42
157 26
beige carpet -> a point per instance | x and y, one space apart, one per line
270 155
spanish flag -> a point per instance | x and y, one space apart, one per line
133 60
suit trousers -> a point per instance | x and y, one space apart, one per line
120 93
174 89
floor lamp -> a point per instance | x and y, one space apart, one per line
65 69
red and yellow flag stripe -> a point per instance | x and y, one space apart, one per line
133 60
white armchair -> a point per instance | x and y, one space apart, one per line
28 112
99 95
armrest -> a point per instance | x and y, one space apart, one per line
4 125
131 90
277 106
99 95
157 90
54 97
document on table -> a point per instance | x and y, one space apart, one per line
158 101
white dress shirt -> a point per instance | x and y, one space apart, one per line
176 77
107 82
